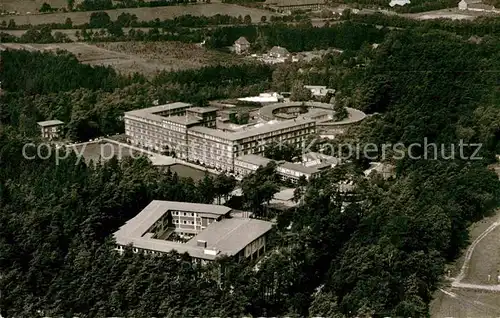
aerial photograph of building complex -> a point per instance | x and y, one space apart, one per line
250 158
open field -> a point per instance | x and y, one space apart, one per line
484 261
466 304
485 244
452 13
147 58
145 14
23 6
103 151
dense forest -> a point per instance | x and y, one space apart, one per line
381 250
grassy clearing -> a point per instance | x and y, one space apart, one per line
147 58
23 6
145 14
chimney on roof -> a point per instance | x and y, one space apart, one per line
210 252
201 243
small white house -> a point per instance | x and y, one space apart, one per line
50 129
241 45
279 52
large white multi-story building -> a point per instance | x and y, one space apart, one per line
190 133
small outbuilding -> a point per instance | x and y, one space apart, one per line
50 129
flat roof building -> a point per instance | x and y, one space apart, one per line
50 129
295 5
189 132
208 231
286 170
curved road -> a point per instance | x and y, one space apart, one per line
463 271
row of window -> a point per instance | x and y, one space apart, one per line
183 222
182 213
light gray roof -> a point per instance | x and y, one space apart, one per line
184 120
267 112
354 115
230 236
212 132
254 159
279 50
298 167
150 112
284 195
242 40
252 130
49 123
138 225
203 109
270 127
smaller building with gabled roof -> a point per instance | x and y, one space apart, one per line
279 52
241 45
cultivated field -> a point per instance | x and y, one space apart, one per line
452 13
23 6
144 57
145 14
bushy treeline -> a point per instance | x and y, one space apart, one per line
93 5
481 26
446 99
40 73
299 38
102 19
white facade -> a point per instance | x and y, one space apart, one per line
194 141
263 98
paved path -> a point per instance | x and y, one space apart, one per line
457 281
